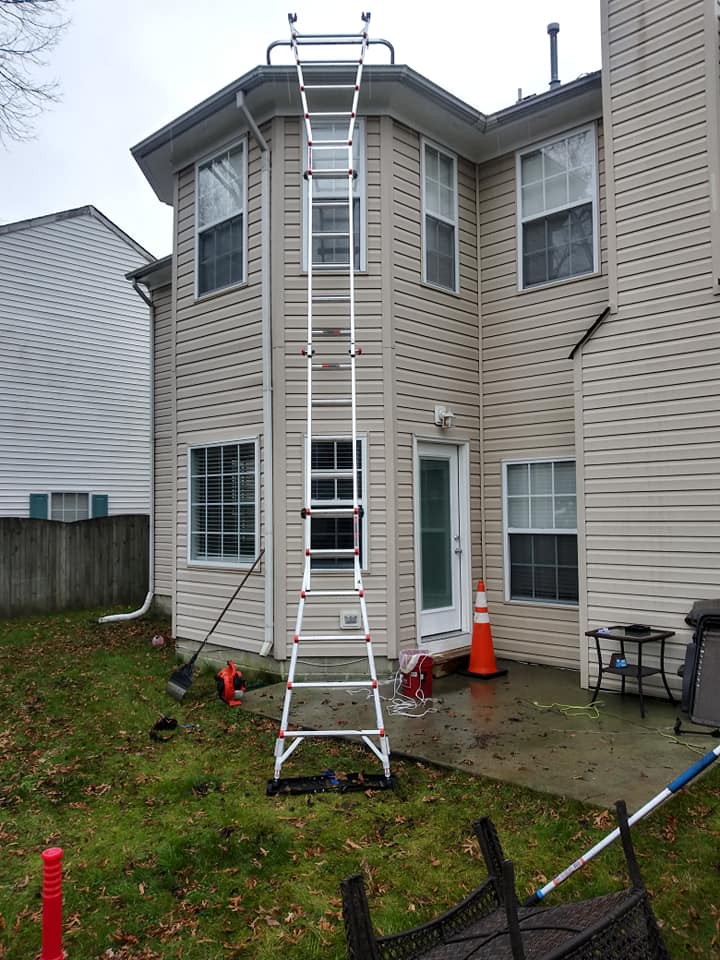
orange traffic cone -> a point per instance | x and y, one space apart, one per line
482 656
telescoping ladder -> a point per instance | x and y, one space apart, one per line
330 320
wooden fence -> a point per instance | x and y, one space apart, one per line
47 566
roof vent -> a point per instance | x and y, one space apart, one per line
553 29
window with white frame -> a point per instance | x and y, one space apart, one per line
557 186
330 227
221 228
223 503
69 507
331 486
541 531
440 218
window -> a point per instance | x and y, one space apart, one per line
69 506
540 531
557 209
330 228
221 227
331 485
439 218
223 503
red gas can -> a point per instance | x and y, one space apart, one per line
416 674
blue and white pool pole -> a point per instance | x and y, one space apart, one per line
661 797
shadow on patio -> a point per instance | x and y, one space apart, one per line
501 729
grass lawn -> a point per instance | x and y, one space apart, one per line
172 850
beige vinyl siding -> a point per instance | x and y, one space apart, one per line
289 376
435 339
650 398
163 427
528 398
218 398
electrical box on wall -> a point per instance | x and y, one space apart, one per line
350 620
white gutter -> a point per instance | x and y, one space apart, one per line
151 440
267 404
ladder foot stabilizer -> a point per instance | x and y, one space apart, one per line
330 782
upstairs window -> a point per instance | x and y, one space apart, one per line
558 209
331 486
330 242
221 226
223 503
541 560
440 218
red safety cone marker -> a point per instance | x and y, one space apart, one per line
483 665
52 904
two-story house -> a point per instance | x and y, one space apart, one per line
547 274
74 369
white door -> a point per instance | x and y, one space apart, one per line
440 529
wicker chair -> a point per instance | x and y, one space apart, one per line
489 924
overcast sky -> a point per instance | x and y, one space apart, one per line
127 69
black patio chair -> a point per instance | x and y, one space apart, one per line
489 924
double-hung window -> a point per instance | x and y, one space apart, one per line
331 486
330 242
541 560
221 223
440 218
223 503
557 204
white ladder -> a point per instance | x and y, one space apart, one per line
331 159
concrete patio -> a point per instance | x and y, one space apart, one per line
508 729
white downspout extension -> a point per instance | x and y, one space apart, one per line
267 404
141 611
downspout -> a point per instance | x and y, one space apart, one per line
141 611
267 404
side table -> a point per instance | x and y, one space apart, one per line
619 665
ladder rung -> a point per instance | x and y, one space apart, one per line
334 733
343 174
330 266
329 113
324 554
331 593
332 474
331 298
329 144
333 236
328 63
333 402
331 512
330 331
323 365
315 637
329 86
326 39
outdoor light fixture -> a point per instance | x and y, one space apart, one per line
444 417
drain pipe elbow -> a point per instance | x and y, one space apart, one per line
141 611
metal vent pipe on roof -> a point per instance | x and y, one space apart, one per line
553 29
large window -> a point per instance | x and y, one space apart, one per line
541 531
221 227
223 503
439 218
331 486
330 227
557 209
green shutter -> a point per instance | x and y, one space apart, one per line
39 506
99 505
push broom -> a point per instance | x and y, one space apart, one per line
181 679
661 797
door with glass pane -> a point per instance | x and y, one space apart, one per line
439 533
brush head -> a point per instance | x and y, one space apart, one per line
179 682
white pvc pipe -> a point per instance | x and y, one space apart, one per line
141 611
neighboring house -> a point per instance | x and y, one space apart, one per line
549 273
74 369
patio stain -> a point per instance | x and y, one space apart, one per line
499 729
